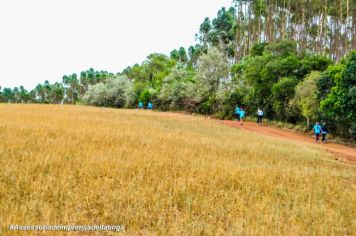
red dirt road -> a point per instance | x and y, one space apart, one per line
343 152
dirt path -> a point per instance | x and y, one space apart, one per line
343 152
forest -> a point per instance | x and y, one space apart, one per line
295 60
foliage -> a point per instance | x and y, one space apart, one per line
211 78
282 92
220 32
339 104
112 93
258 49
177 90
269 79
305 98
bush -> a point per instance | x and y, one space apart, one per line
111 93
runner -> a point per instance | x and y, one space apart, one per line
242 115
149 106
237 113
259 116
317 130
140 105
324 132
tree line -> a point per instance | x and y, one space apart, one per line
326 27
257 54
69 91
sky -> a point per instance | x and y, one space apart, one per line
46 39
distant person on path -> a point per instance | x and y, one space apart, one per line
353 134
317 131
149 106
259 116
242 115
140 105
237 113
324 132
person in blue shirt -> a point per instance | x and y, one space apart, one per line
237 113
242 116
317 131
149 106
140 105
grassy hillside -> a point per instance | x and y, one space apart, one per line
159 173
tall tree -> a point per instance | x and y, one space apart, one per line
72 88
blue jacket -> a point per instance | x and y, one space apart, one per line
242 113
237 110
317 129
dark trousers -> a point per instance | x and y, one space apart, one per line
317 137
324 138
237 116
259 119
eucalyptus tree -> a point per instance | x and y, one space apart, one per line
318 26
57 93
25 96
8 94
91 77
194 52
220 32
40 93
179 55
72 88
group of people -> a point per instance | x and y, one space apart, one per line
240 115
320 130
148 107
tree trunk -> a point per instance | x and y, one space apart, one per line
269 21
303 29
291 25
238 33
339 47
249 25
283 20
259 25
353 27
347 26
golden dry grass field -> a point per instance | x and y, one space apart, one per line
165 174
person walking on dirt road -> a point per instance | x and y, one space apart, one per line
317 131
237 113
242 115
150 106
140 105
259 116
324 132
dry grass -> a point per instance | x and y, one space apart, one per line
159 173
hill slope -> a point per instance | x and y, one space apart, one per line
165 173
341 152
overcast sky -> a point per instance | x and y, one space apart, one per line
45 39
